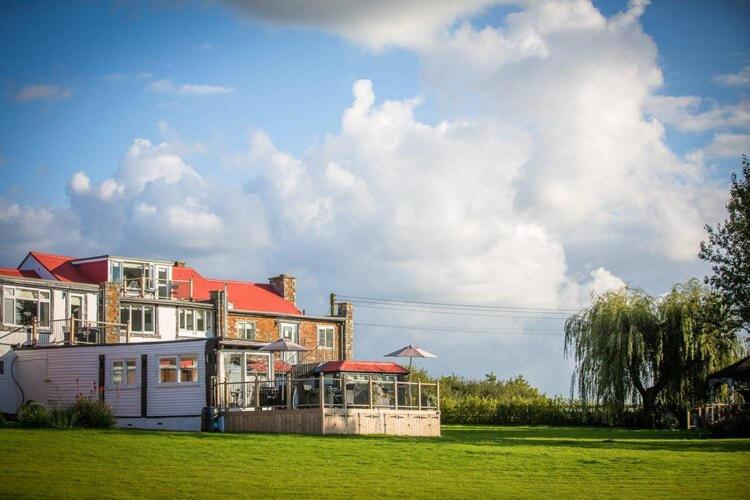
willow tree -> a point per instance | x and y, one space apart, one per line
632 348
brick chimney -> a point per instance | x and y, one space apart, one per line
286 286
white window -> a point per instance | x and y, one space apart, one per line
135 276
195 322
141 318
115 271
178 369
325 337
124 372
245 330
162 282
75 306
22 305
290 331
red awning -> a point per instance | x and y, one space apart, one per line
362 367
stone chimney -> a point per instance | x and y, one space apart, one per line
346 310
286 286
109 293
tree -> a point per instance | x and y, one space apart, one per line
728 249
629 347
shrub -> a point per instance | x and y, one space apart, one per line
737 425
32 414
63 418
92 413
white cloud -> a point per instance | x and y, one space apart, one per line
689 114
728 146
551 161
42 92
80 182
412 24
739 79
166 86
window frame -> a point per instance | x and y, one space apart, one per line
324 329
10 294
240 329
178 358
69 304
290 357
182 322
143 308
125 371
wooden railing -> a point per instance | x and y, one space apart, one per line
326 392
709 414
74 331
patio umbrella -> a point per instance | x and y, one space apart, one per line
410 352
283 345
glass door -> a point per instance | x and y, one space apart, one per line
233 378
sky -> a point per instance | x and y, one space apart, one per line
505 153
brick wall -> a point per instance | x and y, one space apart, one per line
267 330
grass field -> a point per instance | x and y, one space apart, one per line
465 462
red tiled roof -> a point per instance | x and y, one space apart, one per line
362 367
243 295
61 267
9 271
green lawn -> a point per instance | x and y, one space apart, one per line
465 462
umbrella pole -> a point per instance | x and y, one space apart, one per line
411 379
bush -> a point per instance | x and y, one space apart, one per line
737 425
34 415
92 414
63 419
84 412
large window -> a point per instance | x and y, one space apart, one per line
141 318
195 322
124 372
141 276
178 369
256 366
22 305
245 330
325 337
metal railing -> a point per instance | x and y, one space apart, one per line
325 392
144 287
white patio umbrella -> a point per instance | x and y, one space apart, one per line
410 351
283 345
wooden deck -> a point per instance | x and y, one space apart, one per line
422 423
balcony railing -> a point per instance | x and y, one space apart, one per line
325 392
71 331
143 287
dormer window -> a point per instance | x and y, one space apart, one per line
142 278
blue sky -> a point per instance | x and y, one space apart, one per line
516 154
